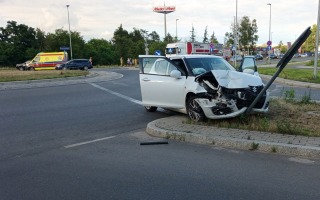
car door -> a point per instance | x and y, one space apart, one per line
159 87
69 64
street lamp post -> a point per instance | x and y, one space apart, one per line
269 4
236 35
177 29
317 45
69 31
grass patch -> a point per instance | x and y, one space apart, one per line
304 75
286 117
7 75
311 63
254 146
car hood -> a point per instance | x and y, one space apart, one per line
230 79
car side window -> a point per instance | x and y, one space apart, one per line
161 67
157 66
147 64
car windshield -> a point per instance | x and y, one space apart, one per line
202 65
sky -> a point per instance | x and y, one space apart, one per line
100 18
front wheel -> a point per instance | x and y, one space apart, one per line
150 108
194 110
85 68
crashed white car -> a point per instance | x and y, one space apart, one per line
202 86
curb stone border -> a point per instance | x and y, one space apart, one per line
242 144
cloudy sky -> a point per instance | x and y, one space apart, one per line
100 18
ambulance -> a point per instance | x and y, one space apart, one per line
187 48
47 60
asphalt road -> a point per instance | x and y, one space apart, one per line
83 142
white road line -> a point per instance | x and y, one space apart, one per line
88 142
117 94
125 97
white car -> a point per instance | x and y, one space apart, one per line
202 86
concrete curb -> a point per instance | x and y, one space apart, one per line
153 129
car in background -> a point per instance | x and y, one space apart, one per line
202 86
258 57
281 55
273 56
237 57
82 64
297 55
23 66
304 55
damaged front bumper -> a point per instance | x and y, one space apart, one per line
223 109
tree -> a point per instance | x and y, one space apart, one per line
15 40
121 42
155 43
19 43
205 35
169 38
310 44
193 35
248 33
101 51
158 46
154 37
229 38
139 38
213 39
60 38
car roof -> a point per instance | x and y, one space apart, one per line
194 56
181 56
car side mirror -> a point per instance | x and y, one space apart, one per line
248 65
175 74
248 71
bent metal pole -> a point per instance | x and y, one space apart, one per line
281 65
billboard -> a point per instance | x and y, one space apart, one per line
164 9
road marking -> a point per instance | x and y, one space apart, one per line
117 94
88 142
126 97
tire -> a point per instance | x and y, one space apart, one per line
150 108
31 68
64 68
194 110
85 68
21 68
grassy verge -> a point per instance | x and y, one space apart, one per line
7 75
286 116
304 75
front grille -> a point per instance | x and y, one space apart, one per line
245 97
